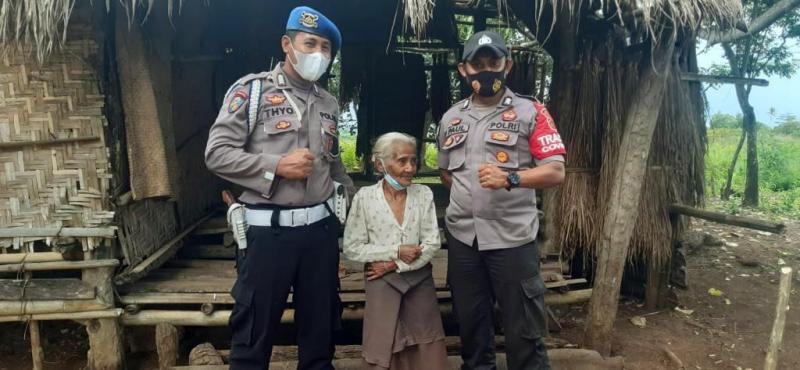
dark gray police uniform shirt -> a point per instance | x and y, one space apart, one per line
516 135
290 116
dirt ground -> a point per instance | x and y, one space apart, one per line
715 332
723 332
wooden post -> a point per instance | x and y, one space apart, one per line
653 289
167 339
37 355
776 337
105 335
625 193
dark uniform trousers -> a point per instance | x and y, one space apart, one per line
304 258
511 278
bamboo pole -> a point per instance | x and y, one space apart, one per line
85 315
776 337
75 232
220 317
16 308
21 144
58 265
30 257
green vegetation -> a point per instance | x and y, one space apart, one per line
779 163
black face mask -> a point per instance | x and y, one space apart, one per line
487 83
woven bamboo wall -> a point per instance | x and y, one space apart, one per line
43 183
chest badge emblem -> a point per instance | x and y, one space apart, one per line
276 99
509 115
500 136
501 156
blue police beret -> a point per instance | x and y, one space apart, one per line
309 20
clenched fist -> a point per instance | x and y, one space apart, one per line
296 165
492 177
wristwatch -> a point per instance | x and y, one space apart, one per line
513 180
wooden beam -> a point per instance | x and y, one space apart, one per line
723 79
160 256
44 289
43 232
30 257
748 222
624 195
85 315
21 144
58 265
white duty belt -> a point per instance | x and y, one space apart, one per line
288 217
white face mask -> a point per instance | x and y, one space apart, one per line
310 66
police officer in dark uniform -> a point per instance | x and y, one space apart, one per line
495 147
276 135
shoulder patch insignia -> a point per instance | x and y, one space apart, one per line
509 115
276 99
455 121
239 98
283 125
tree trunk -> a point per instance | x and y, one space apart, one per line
631 166
726 191
749 126
751 181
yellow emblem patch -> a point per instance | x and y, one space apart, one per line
276 99
500 136
496 85
283 125
308 19
455 121
501 156
448 142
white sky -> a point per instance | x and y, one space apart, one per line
782 94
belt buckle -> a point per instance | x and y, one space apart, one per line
300 215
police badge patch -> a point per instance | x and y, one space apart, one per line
239 98
509 115
283 125
500 136
501 156
309 20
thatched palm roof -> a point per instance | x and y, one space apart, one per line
41 25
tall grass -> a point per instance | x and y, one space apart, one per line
779 169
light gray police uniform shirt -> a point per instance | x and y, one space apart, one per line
292 114
516 135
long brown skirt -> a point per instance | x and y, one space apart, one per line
421 356
403 331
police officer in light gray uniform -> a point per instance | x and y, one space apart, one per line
495 147
276 135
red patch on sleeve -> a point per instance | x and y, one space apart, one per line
545 140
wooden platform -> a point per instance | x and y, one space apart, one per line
203 273
210 281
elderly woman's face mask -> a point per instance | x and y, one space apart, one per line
400 171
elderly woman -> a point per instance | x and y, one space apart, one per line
392 228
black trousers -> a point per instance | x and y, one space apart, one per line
509 277
305 259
